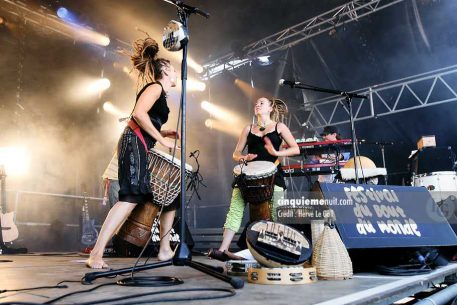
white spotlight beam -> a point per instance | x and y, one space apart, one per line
43 17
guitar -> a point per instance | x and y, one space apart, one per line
89 232
9 230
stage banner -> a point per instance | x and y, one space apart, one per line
373 216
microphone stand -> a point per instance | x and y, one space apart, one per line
183 256
348 97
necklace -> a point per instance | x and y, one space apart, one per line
263 126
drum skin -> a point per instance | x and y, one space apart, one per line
256 184
137 228
272 257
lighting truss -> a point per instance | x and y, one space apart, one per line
43 18
413 92
294 35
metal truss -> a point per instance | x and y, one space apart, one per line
414 92
291 36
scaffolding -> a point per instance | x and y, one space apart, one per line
296 34
413 92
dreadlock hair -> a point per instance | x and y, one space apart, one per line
279 109
145 61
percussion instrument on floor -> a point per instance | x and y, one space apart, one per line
277 245
165 186
256 183
440 184
282 276
240 267
137 228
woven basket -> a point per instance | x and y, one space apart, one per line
330 257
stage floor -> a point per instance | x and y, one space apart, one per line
33 270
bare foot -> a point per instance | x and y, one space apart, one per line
165 255
96 263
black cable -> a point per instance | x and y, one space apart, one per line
58 286
230 292
150 281
76 292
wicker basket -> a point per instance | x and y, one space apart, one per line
330 257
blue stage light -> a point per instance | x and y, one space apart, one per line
62 13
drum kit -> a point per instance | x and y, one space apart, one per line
441 185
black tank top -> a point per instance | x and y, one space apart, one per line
158 113
256 146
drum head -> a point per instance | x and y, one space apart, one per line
168 157
255 169
275 244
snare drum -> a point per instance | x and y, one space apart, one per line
165 176
440 184
256 183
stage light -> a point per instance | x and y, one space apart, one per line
193 64
62 12
193 85
90 36
89 88
223 127
15 159
67 15
220 113
99 85
110 108
264 60
2 21
82 32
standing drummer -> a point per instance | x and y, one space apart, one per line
263 141
157 76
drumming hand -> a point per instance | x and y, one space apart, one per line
269 147
249 157
169 144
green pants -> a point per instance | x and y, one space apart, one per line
237 206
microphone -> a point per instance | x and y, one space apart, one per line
292 83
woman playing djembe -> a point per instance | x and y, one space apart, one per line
142 133
263 141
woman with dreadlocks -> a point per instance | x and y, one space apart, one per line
156 76
263 141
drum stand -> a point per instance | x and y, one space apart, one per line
183 256
348 98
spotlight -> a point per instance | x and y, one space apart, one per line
223 127
2 21
62 12
264 60
15 159
194 85
99 85
220 113
194 65
111 109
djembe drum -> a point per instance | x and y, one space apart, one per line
165 180
256 183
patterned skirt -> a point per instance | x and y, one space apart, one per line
134 175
